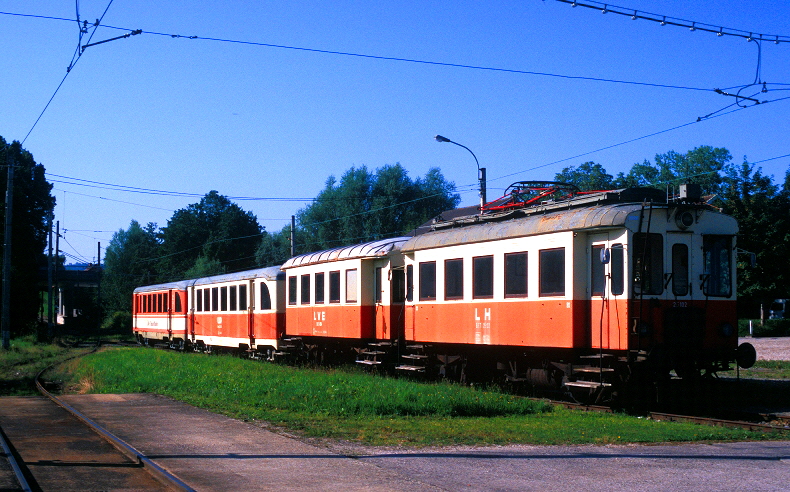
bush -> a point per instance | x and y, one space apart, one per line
772 328
118 323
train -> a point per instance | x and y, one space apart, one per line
594 294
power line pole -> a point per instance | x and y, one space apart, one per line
50 276
5 322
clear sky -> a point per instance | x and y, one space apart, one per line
260 119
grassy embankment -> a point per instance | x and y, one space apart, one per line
347 404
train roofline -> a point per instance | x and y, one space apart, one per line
267 273
372 249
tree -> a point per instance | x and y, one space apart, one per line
33 205
214 231
700 165
764 229
129 262
364 206
589 176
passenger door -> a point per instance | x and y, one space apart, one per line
608 318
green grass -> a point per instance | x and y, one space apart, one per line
350 405
766 369
26 358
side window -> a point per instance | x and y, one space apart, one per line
618 269
515 274
319 288
223 298
305 289
552 272
199 300
233 290
215 299
597 271
242 297
717 260
483 277
177 301
454 279
428 280
351 285
680 269
334 286
266 298
207 299
648 263
292 290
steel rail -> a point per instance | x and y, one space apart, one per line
127 449
20 475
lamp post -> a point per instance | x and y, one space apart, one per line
481 171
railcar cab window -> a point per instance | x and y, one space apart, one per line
319 288
351 285
334 286
305 289
377 285
552 272
409 283
483 277
598 270
427 280
454 279
648 263
292 290
266 298
717 270
680 269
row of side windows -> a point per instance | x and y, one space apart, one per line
230 298
551 282
314 287
157 303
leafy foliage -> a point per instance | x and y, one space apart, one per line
129 262
33 204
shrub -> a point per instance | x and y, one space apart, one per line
119 322
771 328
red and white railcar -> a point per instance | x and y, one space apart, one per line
244 310
623 274
349 295
159 312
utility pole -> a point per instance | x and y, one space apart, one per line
293 236
98 293
5 322
50 301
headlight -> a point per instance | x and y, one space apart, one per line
726 330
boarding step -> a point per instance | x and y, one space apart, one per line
415 347
587 384
380 344
593 369
596 356
369 362
410 368
372 352
414 356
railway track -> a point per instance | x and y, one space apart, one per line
52 446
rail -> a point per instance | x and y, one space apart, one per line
157 471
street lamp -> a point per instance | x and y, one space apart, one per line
481 171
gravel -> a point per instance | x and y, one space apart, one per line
768 348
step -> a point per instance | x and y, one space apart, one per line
415 347
596 356
414 356
372 352
586 384
410 368
593 370
380 344
369 362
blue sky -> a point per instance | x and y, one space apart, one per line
270 122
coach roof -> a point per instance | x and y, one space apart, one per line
372 249
268 273
614 215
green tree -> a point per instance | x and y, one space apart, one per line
764 229
364 206
589 176
129 262
210 231
701 165
33 204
